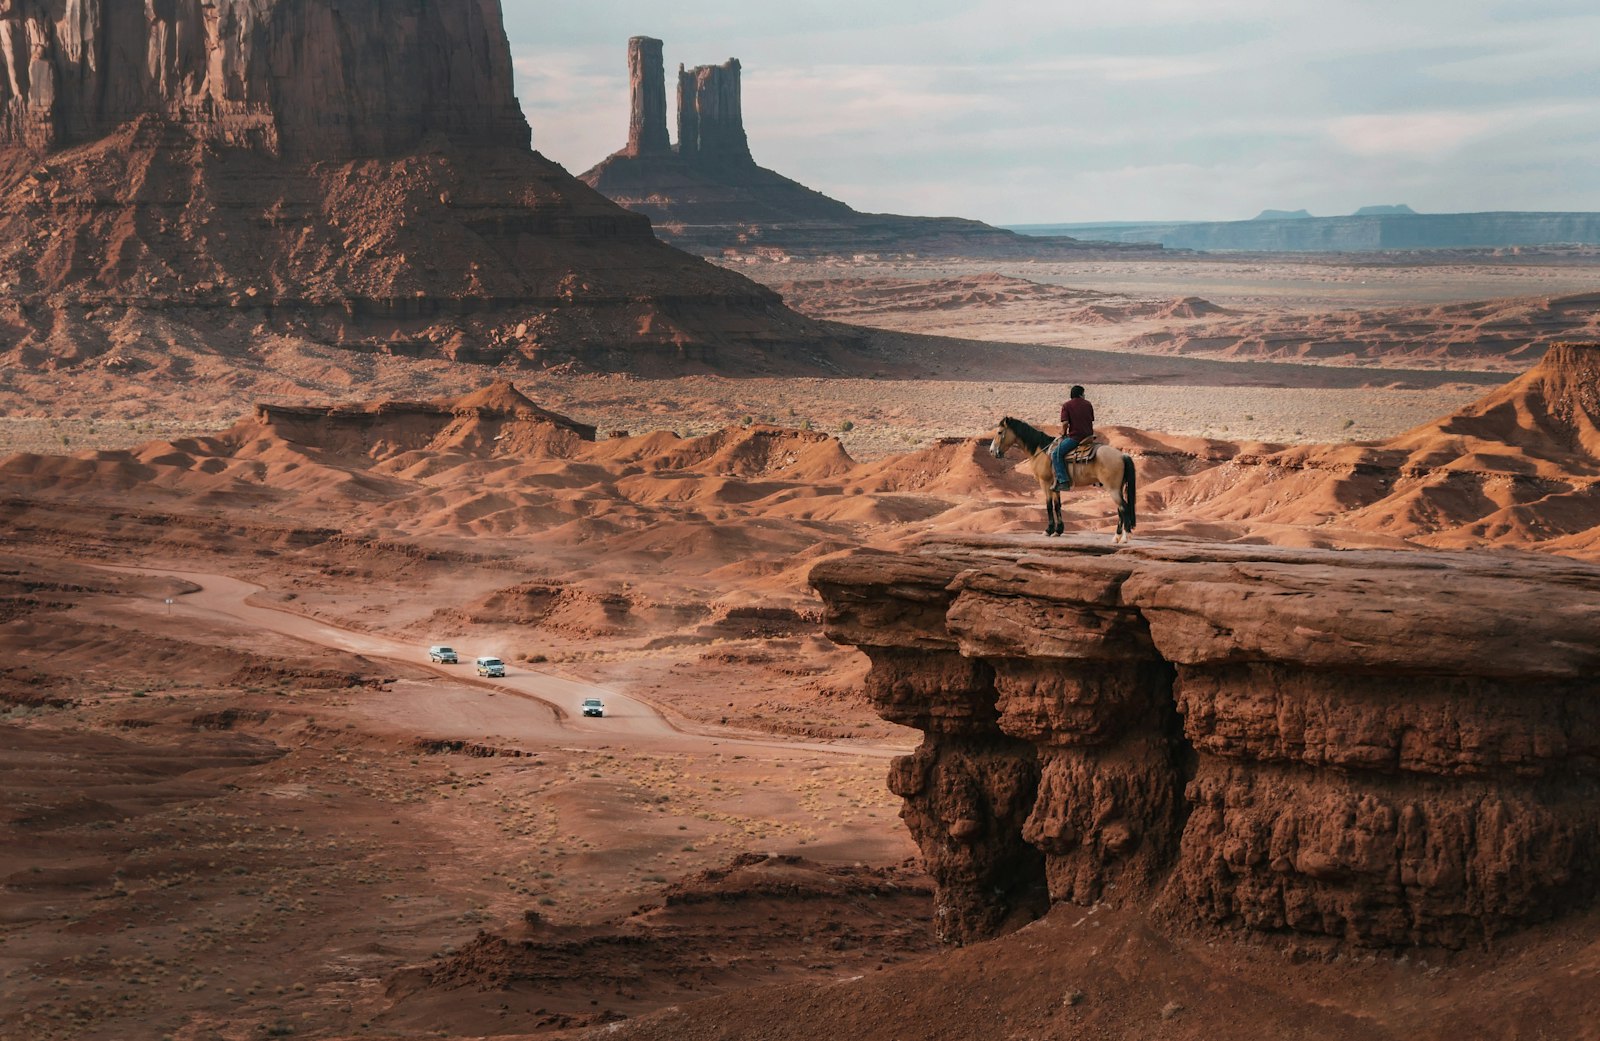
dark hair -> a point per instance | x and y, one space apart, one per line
1077 392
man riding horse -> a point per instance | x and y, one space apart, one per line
1077 426
1101 464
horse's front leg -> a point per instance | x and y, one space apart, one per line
1053 512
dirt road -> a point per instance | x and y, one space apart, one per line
542 706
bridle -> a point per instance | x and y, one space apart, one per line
1003 439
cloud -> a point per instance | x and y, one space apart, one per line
1531 57
1436 134
1410 133
1034 110
577 107
1119 68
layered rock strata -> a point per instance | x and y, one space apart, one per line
342 173
1387 748
302 77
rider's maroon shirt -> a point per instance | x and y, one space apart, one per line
1078 415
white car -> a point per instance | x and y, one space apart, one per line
594 707
493 668
443 655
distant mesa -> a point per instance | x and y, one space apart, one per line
1371 228
354 175
707 194
1365 211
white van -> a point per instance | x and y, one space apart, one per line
491 667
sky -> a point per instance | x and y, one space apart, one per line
1054 111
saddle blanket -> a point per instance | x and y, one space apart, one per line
1083 453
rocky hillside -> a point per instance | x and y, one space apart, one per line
234 172
1518 468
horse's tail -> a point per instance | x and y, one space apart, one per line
1130 491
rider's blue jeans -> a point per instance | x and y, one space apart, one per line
1059 449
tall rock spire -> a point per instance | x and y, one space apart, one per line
647 88
710 119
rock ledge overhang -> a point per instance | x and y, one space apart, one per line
1389 748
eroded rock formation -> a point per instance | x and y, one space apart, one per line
647 92
1389 748
709 195
340 173
711 116
304 77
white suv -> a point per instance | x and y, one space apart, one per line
443 655
493 668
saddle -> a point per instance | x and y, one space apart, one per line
1084 452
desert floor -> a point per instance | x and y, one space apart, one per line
986 350
257 810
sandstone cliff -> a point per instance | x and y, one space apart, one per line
303 77
1386 748
356 175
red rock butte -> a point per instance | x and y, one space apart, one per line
709 195
352 174
292 77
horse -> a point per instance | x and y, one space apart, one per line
1110 468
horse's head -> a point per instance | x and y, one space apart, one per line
1004 438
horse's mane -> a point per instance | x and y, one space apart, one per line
1031 439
